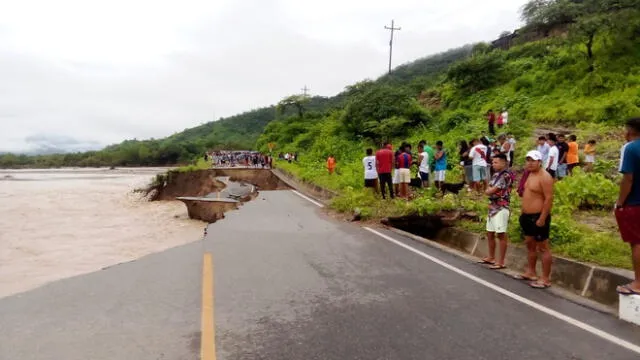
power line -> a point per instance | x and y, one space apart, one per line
392 29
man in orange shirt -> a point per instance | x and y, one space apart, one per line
331 164
572 155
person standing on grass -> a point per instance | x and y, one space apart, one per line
441 165
499 193
370 171
512 148
403 162
551 165
572 154
423 166
331 164
478 156
505 147
466 163
627 207
535 220
384 164
491 119
396 173
543 147
500 121
589 155
563 149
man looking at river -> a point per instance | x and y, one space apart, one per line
535 220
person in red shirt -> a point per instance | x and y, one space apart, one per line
491 117
403 162
384 164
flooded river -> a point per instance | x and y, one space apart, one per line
60 223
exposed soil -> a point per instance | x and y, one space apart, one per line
203 182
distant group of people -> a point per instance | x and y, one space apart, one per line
239 159
560 156
501 120
289 157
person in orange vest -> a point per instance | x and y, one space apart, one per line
331 164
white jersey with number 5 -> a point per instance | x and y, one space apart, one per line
370 171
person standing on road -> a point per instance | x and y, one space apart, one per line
563 149
423 166
572 154
491 119
441 165
478 156
370 171
551 165
627 207
535 220
384 164
404 173
499 193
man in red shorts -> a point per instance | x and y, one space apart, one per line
627 207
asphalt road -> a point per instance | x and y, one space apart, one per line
291 283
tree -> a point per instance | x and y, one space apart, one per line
477 73
297 101
380 111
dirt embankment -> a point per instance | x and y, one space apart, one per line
203 182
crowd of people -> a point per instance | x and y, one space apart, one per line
488 170
252 159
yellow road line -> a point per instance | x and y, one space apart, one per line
208 333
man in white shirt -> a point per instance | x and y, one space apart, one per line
478 155
370 172
423 161
512 149
543 147
551 164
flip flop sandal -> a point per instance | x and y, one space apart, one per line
628 290
539 285
484 261
497 267
525 278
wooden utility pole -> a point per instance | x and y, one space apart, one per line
392 29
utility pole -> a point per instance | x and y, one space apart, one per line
391 41
305 90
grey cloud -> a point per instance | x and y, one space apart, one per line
249 56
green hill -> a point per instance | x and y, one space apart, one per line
575 69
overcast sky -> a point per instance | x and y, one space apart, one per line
82 73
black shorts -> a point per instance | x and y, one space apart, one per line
529 227
552 173
424 176
370 183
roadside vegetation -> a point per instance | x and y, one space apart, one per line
584 80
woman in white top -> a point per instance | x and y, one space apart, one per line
423 160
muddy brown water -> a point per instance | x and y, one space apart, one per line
60 223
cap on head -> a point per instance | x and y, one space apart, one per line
534 155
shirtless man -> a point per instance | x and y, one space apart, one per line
535 220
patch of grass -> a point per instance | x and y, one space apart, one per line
200 164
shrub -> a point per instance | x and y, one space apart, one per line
585 191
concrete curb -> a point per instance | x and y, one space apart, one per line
318 193
596 285
590 281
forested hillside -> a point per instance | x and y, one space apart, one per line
580 76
